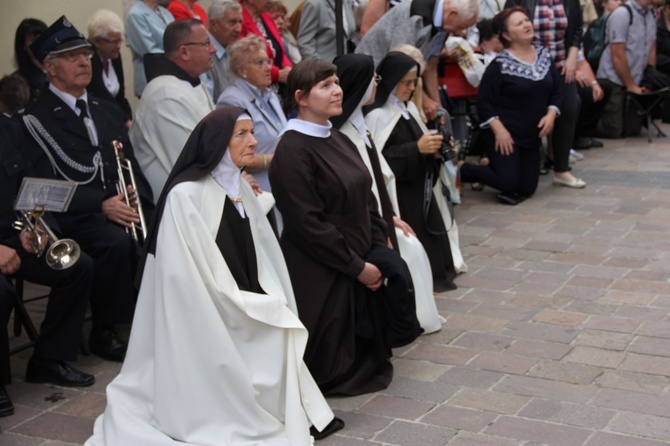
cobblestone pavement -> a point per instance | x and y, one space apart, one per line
559 334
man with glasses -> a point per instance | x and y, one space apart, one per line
69 136
174 101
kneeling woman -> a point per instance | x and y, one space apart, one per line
518 102
335 245
215 354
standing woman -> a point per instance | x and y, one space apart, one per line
187 9
28 67
331 231
558 27
518 102
145 26
215 355
359 85
413 154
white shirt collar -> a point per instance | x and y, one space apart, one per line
393 100
309 128
438 14
70 100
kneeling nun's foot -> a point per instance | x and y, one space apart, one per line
511 199
334 426
6 406
107 344
56 372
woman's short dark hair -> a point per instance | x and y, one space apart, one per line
500 22
306 74
14 92
28 27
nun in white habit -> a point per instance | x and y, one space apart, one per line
215 353
358 81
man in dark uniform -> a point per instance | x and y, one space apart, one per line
70 137
70 288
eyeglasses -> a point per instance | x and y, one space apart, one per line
378 79
206 43
409 82
111 42
262 62
74 56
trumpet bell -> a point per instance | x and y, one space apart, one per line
62 254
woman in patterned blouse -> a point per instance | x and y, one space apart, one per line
518 103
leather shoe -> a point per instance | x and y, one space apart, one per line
582 143
577 183
6 406
596 143
332 427
511 199
56 372
107 344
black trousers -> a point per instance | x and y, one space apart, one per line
590 112
7 299
518 172
564 127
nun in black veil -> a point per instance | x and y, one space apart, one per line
216 350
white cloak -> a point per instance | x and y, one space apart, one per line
381 122
168 112
209 364
411 249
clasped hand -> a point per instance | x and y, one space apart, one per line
371 277
119 212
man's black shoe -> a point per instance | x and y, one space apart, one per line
6 406
596 143
332 427
107 344
511 199
56 372
582 143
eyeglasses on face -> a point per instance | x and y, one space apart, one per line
74 56
206 43
378 79
260 63
114 42
409 82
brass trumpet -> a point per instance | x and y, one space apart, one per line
62 253
137 231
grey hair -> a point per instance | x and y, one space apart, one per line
467 9
218 8
244 49
104 22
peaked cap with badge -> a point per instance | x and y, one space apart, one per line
59 38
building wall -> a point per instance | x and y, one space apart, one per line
78 12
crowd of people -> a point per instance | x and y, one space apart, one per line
290 214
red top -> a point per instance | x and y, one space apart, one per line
249 27
181 12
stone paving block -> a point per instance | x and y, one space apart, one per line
505 243
554 317
655 329
489 401
612 323
40 396
537 431
454 306
538 349
433 392
581 293
505 312
650 346
484 251
361 425
471 439
502 362
608 439
483 341
444 336
537 245
58 427
648 426
395 407
544 388
579 415
486 296
633 381
21 414
641 286
459 419
501 274
341 440
591 307
536 218
468 281
546 266
590 282
57 443
87 405
605 272
525 254
565 371
595 356
638 274
604 339
349 403
441 354
541 332
469 377
626 297
622 262
633 402
662 301
542 277
412 434
646 364
474 322
577 259
12 439
535 301
643 313
418 370
540 288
